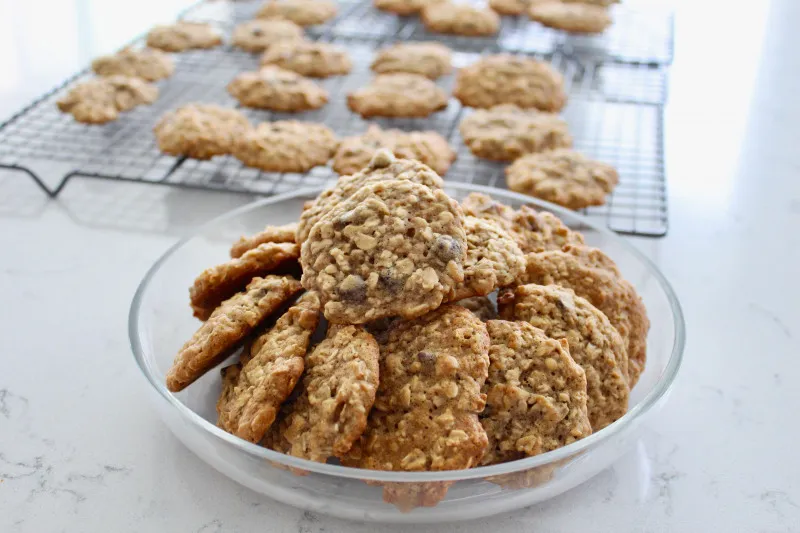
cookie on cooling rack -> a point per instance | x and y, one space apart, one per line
147 63
309 58
508 79
571 17
460 19
183 36
432 60
398 95
564 177
277 89
403 7
258 35
101 100
302 12
200 131
286 146
510 7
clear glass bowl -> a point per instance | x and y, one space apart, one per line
161 321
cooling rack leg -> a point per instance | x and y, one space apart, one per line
35 178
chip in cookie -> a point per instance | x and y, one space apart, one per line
101 100
429 59
258 35
286 146
277 89
200 131
398 95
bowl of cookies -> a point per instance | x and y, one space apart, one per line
397 348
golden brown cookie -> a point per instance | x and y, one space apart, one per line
147 63
339 388
403 7
253 391
227 327
507 132
260 34
510 7
286 146
201 131
593 343
493 260
535 394
507 79
309 58
428 147
384 166
277 89
571 17
564 177
397 95
302 12
460 19
220 282
432 60
101 100
480 306
534 231
183 36
595 277
285 233
426 412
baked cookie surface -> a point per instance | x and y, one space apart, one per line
260 34
277 89
339 388
286 146
285 233
227 327
254 391
507 79
564 177
593 343
309 58
397 95
393 248
510 7
301 12
428 147
101 100
403 7
432 60
200 131
507 132
148 64
571 17
535 394
460 19
183 36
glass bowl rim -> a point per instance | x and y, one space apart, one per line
659 390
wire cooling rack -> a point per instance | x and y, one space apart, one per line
614 114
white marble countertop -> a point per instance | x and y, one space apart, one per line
81 449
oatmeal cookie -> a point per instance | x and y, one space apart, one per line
338 392
432 60
200 131
593 343
220 282
507 132
571 17
510 7
183 36
286 146
227 326
148 63
277 89
426 411
398 95
309 58
564 177
302 12
258 35
535 394
593 276
480 306
384 166
393 248
428 147
493 259
534 231
507 79
460 19
404 7
101 100
285 233
253 392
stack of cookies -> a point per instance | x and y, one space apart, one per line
416 368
